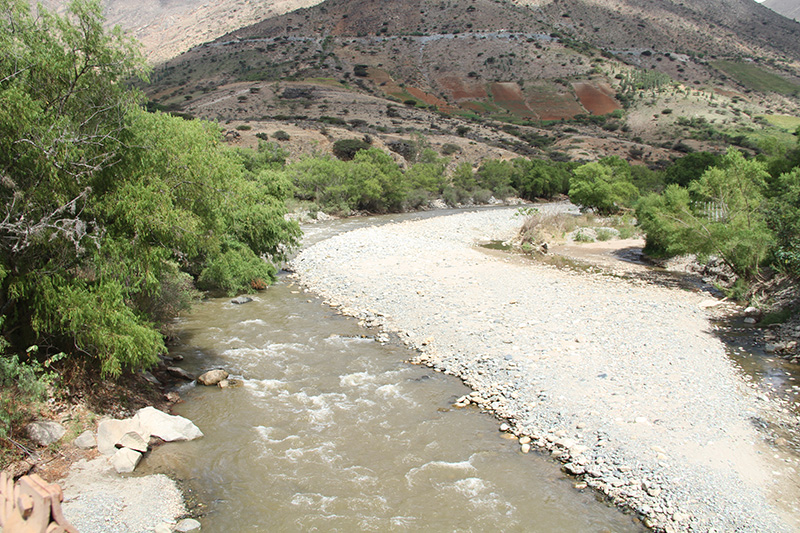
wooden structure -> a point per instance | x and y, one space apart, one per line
31 506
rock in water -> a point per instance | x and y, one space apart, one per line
180 373
134 441
45 433
186 525
212 377
167 427
239 300
125 460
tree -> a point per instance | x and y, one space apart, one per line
604 186
109 212
723 214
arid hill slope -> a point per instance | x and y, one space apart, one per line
787 8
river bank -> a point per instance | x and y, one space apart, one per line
624 383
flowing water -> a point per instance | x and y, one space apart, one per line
333 431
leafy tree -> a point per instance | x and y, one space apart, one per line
605 186
723 213
689 168
110 211
495 175
535 178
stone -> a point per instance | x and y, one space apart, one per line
134 441
167 427
770 348
186 525
172 397
212 377
85 440
749 320
525 448
125 460
525 439
241 300
751 311
504 427
110 431
574 469
45 432
179 373
163 528
224 384
150 378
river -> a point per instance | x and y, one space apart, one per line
335 431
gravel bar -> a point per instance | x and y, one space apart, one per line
624 384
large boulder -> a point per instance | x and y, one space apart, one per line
110 431
166 427
212 377
45 432
125 460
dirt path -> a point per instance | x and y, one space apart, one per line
624 383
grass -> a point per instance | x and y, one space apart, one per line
784 122
548 227
757 78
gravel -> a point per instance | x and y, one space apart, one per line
622 383
98 500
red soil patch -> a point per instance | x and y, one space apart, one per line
425 97
596 98
509 96
548 103
461 89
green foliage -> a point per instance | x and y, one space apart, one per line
536 178
108 210
346 149
281 135
783 217
22 387
722 214
690 167
758 79
495 175
605 186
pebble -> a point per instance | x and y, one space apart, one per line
661 368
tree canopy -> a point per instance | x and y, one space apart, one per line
110 213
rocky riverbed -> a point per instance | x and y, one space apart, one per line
624 384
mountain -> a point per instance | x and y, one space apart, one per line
787 8
168 27
638 78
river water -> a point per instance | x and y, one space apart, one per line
333 430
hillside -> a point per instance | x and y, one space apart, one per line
167 28
787 8
574 80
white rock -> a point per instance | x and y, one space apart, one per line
110 431
187 524
45 432
167 427
163 528
212 377
125 460
134 441
85 440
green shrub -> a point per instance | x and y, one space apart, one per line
450 149
244 127
281 135
604 186
346 149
